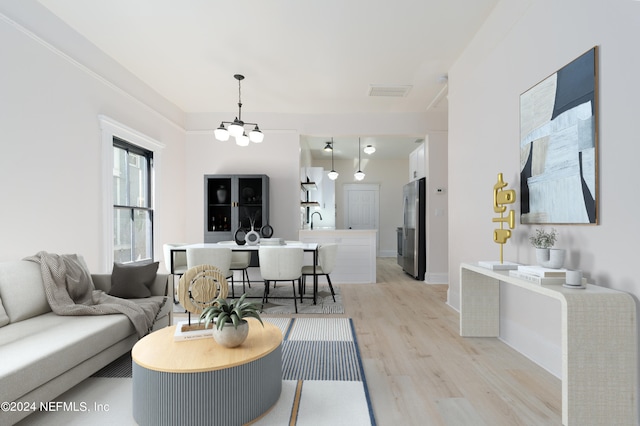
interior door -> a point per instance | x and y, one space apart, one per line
362 206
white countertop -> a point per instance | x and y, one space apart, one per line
332 230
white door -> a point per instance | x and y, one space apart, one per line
362 205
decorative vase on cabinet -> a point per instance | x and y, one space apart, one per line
221 194
246 199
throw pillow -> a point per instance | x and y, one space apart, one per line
132 281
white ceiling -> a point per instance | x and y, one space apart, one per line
389 147
303 57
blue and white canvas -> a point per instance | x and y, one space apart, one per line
558 146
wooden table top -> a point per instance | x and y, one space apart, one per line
158 351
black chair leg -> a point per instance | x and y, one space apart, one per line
333 293
245 273
266 292
295 302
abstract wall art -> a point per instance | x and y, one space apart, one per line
558 146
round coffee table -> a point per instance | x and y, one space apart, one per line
200 382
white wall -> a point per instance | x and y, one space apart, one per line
51 162
520 44
437 194
277 157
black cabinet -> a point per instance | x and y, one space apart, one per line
232 202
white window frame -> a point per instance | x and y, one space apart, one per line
111 128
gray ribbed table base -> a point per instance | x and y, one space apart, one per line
231 396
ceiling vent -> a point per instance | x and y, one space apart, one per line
391 91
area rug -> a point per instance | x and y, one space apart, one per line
278 305
323 383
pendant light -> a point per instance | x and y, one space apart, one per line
236 127
369 149
359 175
333 175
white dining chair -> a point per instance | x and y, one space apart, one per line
220 257
179 262
327 254
281 263
240 261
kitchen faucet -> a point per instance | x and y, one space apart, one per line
318 213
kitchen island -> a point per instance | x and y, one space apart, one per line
356 260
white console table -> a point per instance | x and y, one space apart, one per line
599 348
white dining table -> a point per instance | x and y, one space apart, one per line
307 247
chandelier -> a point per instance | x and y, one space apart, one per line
236 127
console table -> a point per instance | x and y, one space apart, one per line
599 348
199 382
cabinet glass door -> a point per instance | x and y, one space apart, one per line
219 207
250 202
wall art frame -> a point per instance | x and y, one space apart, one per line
559 146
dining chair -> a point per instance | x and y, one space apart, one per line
240 261
290 242
281 264
327 254
220 257
178 261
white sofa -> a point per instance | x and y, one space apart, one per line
43 354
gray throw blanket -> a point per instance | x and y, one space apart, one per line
70 291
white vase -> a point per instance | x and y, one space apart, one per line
230 336
252 238
550 257
221 194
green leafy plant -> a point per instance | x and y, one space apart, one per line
543 239
234 312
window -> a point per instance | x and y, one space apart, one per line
132 204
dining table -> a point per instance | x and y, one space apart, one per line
306 247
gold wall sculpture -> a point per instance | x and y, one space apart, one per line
501 198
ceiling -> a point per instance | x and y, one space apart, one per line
388 147
298 57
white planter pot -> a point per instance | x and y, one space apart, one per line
550 258
230 336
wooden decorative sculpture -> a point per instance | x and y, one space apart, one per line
200 286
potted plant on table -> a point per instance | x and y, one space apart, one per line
229 317
546 255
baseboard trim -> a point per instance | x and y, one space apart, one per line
441 278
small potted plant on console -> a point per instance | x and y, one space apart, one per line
546 255
231 327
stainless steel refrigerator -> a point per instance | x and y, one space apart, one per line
412 235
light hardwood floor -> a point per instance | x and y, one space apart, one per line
419 370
